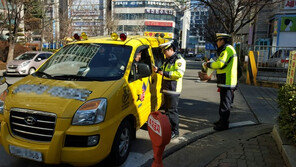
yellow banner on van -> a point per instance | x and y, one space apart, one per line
166 34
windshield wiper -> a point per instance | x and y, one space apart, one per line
74 77
42 74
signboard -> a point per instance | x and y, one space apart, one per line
290 4
292 68
154 125
158 23
129 3
152 34
159 11
275 27
142 4
288 24
209 46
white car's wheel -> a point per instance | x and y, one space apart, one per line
32 70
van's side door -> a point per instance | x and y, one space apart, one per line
156 95
141 87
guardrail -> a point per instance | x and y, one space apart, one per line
272 58
271 64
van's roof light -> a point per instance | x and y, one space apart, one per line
123 36
114 36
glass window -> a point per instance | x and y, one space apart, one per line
88 62
158 56
26 56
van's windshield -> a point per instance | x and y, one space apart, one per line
100 62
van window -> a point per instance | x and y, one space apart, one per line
41 56
88 62
26 56
145 59
158 56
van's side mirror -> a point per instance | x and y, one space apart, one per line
2 80
143 70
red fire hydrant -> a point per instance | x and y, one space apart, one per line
159 129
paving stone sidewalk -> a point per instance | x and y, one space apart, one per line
260 151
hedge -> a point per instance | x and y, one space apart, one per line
287 116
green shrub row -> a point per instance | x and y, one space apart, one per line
287 116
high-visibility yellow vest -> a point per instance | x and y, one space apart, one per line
226 66
173 72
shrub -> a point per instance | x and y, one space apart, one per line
287 116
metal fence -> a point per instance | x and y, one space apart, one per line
271 58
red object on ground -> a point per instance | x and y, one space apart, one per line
218 90
159 129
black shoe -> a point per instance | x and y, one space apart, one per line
221 126
217 122
174 135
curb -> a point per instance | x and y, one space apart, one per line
182 141
287 150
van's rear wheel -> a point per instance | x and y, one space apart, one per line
121 143
32 70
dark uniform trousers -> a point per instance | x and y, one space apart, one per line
171 103
225 104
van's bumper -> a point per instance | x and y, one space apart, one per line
54 152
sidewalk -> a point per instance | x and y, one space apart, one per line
251 146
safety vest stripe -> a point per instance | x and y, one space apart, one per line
226 86
170 92
222 61
225 65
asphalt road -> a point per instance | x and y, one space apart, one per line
198 108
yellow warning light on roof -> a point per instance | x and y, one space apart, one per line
114 36
84 36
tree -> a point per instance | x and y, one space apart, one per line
211 27
233 15
14 18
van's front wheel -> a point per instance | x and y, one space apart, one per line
121 143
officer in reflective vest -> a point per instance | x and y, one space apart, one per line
172 71
226 66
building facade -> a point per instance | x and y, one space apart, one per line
199 17
283 25
88 16
145 17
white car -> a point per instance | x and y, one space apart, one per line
279 59
27 63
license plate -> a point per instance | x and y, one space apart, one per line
10 70
25 153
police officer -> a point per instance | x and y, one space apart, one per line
226 66
172 71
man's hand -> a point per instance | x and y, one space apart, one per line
155 68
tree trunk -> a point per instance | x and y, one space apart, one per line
10 52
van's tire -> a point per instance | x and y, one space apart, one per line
121 144
31 70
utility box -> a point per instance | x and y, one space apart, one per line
291 77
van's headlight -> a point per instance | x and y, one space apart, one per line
25 63
91 112
2 99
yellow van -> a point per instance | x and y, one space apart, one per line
84 103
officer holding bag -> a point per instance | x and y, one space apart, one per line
226 66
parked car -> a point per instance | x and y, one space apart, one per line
189 54
279 59
199 57
27 63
